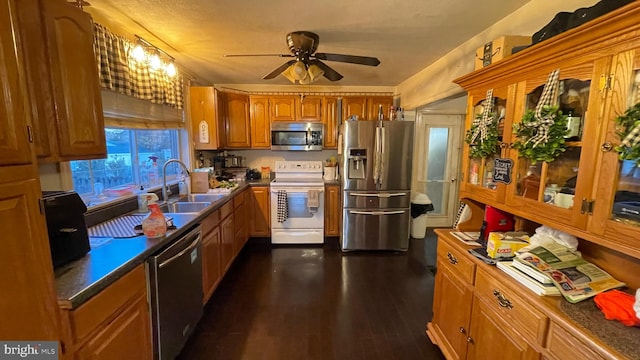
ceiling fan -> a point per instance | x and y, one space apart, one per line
306 65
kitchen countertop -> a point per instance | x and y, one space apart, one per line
81 279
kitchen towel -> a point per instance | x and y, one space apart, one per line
313 200
283 206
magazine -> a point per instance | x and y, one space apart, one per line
540 289
576 278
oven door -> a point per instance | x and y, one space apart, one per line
300 216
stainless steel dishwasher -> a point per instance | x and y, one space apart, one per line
175 281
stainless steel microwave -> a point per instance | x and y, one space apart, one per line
296 136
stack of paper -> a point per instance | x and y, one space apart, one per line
509 267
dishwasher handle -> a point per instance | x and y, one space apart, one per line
193 244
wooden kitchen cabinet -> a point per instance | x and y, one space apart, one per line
29 304
259 210
260 122
476 183
115 323
227 234
205 117
237 121
331 122
295 108
596 86
239 223
63 80
332 210
309 108
366 107
211 253
480 310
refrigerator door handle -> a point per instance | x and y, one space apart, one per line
382 147
358 212
376 158
383 195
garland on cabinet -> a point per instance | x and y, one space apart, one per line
483 135
540 134
628 129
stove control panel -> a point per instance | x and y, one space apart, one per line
298 167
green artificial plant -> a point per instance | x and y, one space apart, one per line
487 147
547 150
625 123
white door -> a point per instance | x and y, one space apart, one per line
437 164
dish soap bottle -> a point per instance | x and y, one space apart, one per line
154 224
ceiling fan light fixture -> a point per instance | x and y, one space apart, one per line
299 70
315 72
288 73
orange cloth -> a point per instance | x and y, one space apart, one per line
617 305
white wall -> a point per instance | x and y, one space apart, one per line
436 81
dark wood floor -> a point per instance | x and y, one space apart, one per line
308 302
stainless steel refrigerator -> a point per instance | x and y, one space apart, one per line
376 158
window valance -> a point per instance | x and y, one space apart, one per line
121 73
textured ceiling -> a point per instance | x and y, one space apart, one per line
406 35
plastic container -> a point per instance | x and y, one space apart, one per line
420 206
154 225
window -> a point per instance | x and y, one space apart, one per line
134 159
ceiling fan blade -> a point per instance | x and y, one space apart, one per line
241 55
353 59
279 70
329 73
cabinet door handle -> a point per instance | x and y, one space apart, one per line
502 300
504 145
606 147
462 330
469 339
452 259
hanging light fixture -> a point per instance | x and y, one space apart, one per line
146 52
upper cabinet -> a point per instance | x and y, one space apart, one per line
295 108
587 190
366 107
238 132
260 124
331 122
205 117
63 80
14 132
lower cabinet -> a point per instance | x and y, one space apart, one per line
332 210
259 212
114 324
239 223
211 249
227 236
480 313
126 337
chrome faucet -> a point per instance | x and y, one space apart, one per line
166 192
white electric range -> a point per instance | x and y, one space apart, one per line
292 186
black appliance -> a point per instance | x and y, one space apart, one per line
253 174
68 236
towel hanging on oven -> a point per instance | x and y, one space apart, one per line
313 200
283 206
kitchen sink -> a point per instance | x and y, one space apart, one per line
202 198
186 207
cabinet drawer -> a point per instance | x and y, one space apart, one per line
226 210
563 345
458 263
513 309
102 307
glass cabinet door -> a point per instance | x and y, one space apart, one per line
616 204
554 190
478 181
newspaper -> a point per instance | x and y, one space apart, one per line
576 278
